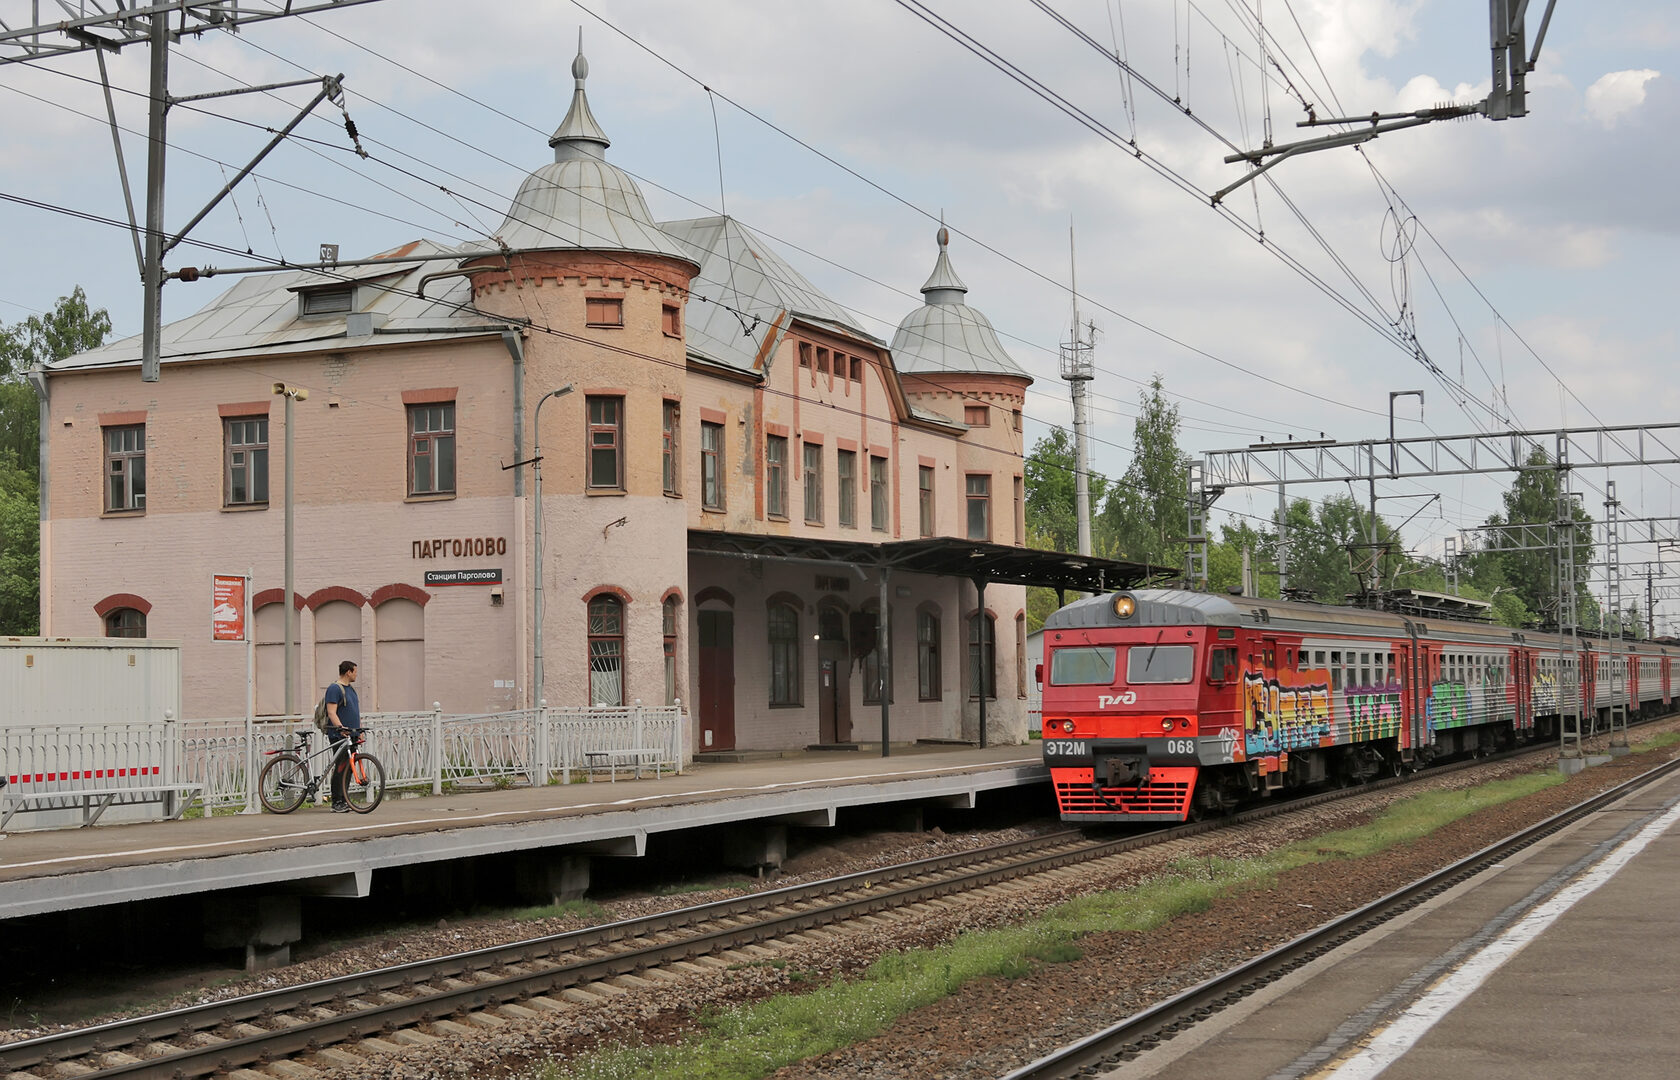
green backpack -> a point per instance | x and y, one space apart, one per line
321 721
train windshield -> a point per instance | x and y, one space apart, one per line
1160 663
1082 665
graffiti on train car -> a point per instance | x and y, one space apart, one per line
1291 712
1373 711
1448 705
1544 693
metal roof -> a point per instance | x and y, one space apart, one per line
945 335
259 313
947 556
742 278
579 200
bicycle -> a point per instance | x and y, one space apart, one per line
289 779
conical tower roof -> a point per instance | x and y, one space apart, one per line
945 334
581 201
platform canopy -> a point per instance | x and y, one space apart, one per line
1000 564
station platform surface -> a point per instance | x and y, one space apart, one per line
1561 963
315 852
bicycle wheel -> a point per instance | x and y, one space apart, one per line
365 786
282 784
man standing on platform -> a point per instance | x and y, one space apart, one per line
344 716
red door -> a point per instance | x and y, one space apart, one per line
716 662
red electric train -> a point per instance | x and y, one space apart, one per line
1162 705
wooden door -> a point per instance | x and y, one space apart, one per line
716 662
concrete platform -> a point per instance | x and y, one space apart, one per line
313 852
1561 963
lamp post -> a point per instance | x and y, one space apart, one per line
537 537
291 394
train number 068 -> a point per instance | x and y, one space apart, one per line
1184 747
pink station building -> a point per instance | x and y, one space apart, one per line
736 467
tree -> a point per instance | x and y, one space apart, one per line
20 549
1146 510
70 328
1533 500
1329 547
1052 518
1225 559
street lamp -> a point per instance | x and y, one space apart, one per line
291 394
537 539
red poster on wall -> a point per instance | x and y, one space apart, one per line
227 608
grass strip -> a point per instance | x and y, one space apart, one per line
754 1040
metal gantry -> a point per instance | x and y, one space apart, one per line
1329 461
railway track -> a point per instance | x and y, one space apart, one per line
382 1009
1111 1047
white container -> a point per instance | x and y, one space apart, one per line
88 713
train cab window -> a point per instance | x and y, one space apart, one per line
1222 665
1161 663
1082 665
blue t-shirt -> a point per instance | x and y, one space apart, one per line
349 708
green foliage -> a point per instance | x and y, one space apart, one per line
70 328
588 910
20 549
1531 575
1145 513
1052 521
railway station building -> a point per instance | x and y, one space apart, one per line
735 477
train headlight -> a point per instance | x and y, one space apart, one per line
1166 723
1067 726
1124 606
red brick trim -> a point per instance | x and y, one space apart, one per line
932 463
973 612
604 391
122 419
673 399
431 396
244 408
713 592
399 591
275 596
877 450
713 416
672 592
772 429
790 599
811 437
607 590
846 444
117 601
334 592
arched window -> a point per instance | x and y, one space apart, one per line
784 654
928 677
982 654
606 650
668 620
125 622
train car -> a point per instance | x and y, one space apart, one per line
1162 705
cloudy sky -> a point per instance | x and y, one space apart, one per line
1530 247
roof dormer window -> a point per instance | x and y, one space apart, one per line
333 300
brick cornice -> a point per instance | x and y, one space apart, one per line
118 601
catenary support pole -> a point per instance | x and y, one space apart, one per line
980 665
152 273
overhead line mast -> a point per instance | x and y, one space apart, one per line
119 23
1077 370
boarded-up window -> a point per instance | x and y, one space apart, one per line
400 656
270 636
338 636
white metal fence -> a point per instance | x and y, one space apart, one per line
418 750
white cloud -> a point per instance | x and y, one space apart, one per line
1617 94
